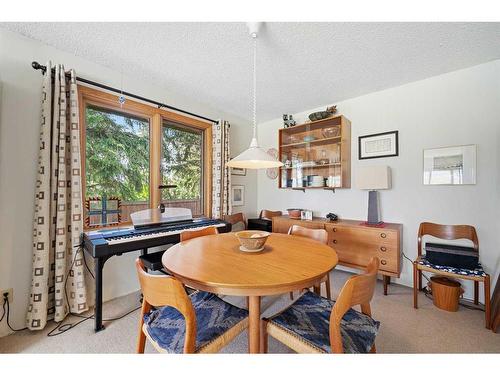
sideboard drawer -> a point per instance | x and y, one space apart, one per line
357 245
361 236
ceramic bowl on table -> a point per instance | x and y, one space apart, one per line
252 240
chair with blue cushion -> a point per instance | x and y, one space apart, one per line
319 235
450 232
177 323
314 324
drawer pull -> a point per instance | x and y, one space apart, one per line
383 248
383 235
383 262
334 241
334 229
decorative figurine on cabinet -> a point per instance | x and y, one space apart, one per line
288 121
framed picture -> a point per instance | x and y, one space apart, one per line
238 195
379 145
450 165
239 171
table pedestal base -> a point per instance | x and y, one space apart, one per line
254 324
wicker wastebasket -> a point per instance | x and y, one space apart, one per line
445 292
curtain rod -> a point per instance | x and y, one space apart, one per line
43 68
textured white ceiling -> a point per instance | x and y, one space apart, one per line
300 65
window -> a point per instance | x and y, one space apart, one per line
182 166
129 151
117 161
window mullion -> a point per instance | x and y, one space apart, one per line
155 160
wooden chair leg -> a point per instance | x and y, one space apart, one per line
420 285
415 285
263 337
317 289
291 296
487 301
328 287
141 339
476 292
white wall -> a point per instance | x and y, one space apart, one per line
461 107
19 132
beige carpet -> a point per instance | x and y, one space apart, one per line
403 329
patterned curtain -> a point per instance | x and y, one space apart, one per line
58 277
221 176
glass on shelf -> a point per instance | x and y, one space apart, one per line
330 132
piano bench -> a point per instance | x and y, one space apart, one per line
152 261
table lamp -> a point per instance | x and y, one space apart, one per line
373 178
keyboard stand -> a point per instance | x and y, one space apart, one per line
98 267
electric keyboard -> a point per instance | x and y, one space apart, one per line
115 242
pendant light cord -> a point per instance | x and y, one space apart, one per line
254 37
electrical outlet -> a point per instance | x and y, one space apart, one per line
10 293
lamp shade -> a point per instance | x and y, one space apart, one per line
254 158
376 177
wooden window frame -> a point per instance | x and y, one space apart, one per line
155 116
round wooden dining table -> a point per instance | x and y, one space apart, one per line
216 264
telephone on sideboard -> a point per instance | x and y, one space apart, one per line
332 216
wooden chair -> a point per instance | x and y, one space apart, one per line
235 219
199 323
188 234
450 232
312 324
268 214
320 235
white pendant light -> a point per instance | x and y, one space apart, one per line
254 157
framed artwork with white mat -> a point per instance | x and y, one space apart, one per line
238 195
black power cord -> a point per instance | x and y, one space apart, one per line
3 309
6 312
62 328
428 293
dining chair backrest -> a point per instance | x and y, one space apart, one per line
358 290
268 214
320 235
236 219
447 232
165 290
188 234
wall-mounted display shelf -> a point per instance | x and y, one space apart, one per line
317 155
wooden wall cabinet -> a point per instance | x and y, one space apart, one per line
356 244
318 148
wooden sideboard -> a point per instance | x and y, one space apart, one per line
355 243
